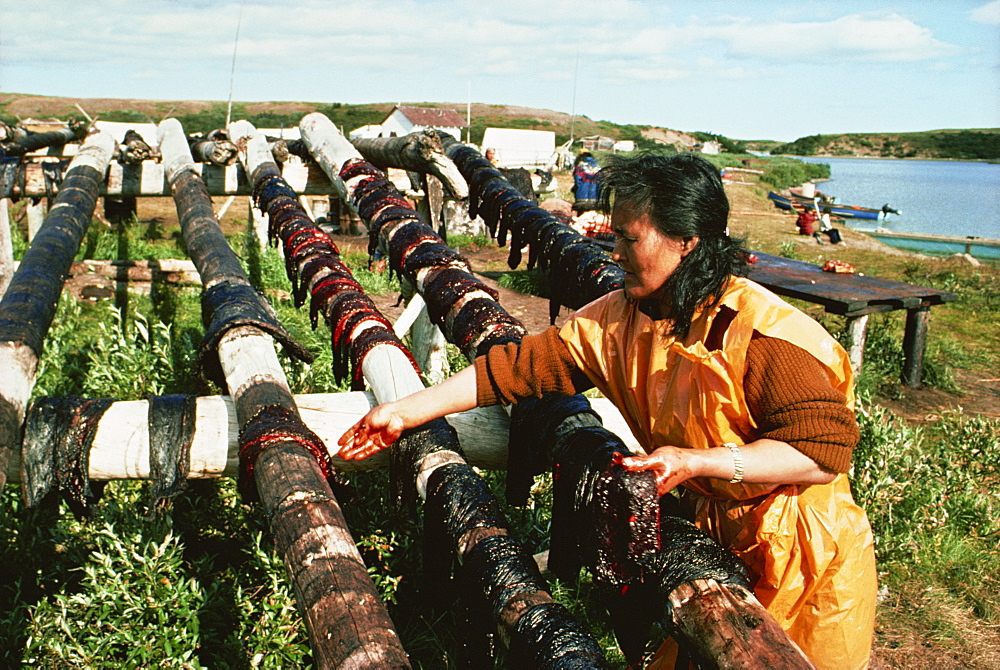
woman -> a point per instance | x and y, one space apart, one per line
737 397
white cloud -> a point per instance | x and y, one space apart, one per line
988 13
868 37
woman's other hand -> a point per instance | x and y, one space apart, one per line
670 465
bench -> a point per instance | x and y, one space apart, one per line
856 296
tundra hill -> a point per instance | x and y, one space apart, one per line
203 116
971 144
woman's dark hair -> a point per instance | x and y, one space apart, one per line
684 197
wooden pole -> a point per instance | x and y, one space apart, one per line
29 304
914 343
21 144
218 151
420 152
727 628
6 246
347 623
120 449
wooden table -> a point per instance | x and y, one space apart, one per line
856 296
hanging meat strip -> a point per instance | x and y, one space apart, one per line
59 434
171 431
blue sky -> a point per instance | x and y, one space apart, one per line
752 69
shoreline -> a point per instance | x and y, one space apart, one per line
988 161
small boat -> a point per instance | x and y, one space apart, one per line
843 211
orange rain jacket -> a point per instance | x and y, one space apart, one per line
810 549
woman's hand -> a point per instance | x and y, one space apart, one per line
378 429
384 424
670 465
764 462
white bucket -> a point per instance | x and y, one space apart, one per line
808 190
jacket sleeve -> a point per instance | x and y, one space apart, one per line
791 400
539 364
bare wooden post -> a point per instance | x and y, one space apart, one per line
914 343
29 304
857 332
6 246
347 623
35 209
259 222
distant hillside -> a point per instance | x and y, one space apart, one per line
203 116
975 144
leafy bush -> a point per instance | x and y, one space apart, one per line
934 500
135 608
129 359
783 173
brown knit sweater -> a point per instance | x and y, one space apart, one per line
786 389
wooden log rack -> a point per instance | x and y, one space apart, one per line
244 355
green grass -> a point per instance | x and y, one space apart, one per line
529 282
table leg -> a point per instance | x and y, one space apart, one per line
914 342
857 330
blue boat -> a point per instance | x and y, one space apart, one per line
793 203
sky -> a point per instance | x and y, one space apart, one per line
749 69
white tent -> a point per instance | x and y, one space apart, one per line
520 148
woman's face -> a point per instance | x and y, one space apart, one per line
648 256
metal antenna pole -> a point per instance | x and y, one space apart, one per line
572 117
232 71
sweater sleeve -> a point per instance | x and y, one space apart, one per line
792 400
539 364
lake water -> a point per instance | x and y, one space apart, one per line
938 197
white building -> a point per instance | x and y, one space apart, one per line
624 146
520 148
365 132
403 120
711 147
287 134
